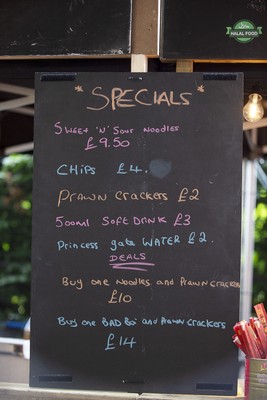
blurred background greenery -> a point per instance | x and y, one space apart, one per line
15 236
260 243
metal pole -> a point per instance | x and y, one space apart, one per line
247 244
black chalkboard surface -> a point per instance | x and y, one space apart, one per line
136 232
65 27
223 30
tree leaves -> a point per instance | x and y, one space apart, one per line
15 235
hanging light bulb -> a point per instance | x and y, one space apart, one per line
253 110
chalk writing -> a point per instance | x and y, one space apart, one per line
99 282
87 323
206 323
148 196
116 322
61 222
106 143
162 129
117 297
191 195
115 244
213 283
171 321
77 283
62 245
131 168
182 219
134 220
134 282
117 130
120 341
125 98
182 281
149 221
161 241
133 262
134 266
162 320
69 322
66 195
120 195
75 169
114 221
127 257
165 282
193 237
69 130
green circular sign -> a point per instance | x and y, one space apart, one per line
245 30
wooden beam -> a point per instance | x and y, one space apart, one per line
14 89
215 61
254 125
184 66
11 104
145 27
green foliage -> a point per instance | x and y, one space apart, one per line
15 236
260 250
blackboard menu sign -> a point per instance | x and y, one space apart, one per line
136 232
223 30
65 27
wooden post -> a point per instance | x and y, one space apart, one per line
145 27
184 66
139 63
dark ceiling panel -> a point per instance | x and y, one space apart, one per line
65 27
223 30
15 129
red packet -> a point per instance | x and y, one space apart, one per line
252 339
261 314
261 336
